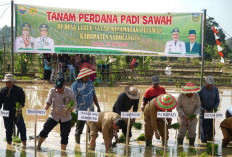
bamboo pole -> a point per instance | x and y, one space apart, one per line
165 133
213 134
127 136
35 134
12 36
86 138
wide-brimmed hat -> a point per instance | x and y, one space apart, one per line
132 92
209 80
165 102
8 77
190 88
85 72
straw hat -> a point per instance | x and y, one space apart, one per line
190 88
8 77
132 92
85 72
165 102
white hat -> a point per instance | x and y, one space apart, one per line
8 77
132 92
209 80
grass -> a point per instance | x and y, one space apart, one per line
16 139
122 139
51 153
209 148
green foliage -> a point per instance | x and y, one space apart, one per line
209 148
77 153
96 84
122 139
74 118
110 84
51 153
178 85
137 126
183 154
203 155
16 139
141 137
175 126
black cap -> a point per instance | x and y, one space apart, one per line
121 123
59 83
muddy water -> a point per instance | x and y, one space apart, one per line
35 98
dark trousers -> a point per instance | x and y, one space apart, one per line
79 128
9 122
206 128
47 74
65 128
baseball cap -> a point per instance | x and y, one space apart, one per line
209 80
155 79
59 83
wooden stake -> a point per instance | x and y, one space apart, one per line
213 136
127 136
35 133
165 133
87 138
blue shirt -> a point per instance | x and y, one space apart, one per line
84 95
209 98
46 66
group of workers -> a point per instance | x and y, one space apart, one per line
191 102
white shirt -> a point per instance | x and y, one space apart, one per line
20 43
47 44
175 49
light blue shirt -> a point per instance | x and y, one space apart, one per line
84 95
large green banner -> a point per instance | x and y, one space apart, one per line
56 30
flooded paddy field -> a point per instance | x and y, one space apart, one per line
36 96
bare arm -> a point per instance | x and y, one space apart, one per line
96 103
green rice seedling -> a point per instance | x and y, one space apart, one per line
71 104
141 137
137 126
122 139
175 126
16 139
209 148
192 116
183 154
17 104
51 153
203 155
77 153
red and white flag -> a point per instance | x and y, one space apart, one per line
215 31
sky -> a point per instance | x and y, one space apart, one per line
220 10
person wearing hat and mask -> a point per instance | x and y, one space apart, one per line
226 127
58 98
108 123
188 107
25 41
152 92
210 100
154 124
84 91
192 47
125 101
175 46
9 96
44 43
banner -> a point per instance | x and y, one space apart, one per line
56 30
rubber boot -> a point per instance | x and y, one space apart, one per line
148 142
78 139
191 141
180 141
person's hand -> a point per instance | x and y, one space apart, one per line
185 117
46 107
142 108
98 110
68 111
157 136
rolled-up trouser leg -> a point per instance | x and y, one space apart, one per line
65 129
47 128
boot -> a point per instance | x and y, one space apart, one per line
180 141
191 141
78 139
148 142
